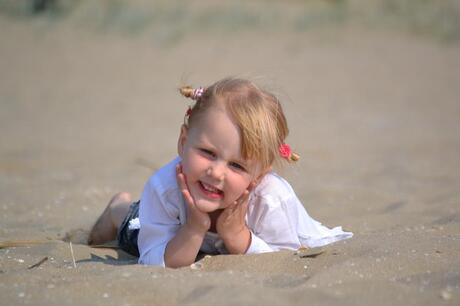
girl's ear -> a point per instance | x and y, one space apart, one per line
182 139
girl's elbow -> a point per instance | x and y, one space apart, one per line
175 264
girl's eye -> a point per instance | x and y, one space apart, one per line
237 166
207 152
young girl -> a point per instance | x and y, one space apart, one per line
220 194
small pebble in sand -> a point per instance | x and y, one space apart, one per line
21 294
19 260
105 295
126 274
196 266
446 294
50 286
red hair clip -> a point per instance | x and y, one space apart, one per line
286 153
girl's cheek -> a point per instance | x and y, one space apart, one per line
197 157
242 182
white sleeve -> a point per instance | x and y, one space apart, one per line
272 225
159 223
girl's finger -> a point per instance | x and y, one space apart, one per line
183 186
251 186
243 204
244 197
180 178
188 198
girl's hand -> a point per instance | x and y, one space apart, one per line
231 224
197 221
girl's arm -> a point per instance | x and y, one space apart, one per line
238 243
232 228
182 250
184 247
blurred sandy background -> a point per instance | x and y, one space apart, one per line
89 106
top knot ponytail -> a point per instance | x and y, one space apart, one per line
190 92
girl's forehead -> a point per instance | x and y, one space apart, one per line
217 127
217 119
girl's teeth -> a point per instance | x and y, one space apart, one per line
209 188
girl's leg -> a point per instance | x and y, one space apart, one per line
108 223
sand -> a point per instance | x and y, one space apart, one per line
374 114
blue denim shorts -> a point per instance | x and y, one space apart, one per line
127 235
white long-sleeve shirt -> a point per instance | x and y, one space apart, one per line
276 218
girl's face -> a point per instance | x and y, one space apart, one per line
215 172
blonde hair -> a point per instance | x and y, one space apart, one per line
257 113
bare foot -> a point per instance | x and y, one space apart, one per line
106 226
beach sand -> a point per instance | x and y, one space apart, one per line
374 114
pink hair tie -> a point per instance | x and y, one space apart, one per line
197 93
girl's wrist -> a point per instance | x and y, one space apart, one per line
237 242
227 233
195 230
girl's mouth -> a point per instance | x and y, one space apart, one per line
211 191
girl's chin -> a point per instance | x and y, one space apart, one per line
207 207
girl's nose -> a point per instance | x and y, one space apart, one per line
216 170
